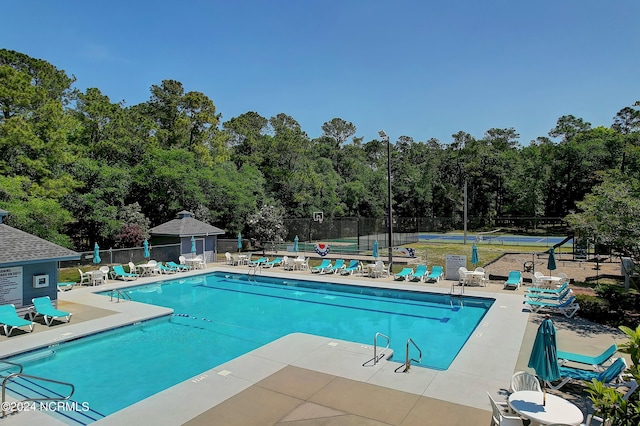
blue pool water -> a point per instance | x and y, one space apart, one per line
220 316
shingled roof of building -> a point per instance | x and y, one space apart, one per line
19 247
184 225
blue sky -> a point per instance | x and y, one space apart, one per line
423 69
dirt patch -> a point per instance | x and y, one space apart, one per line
578 271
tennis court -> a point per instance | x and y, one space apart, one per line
497 238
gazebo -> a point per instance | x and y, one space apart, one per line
189 232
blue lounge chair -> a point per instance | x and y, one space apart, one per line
419 274
10 320
596 362
270 264
612 376
332 269
321 267
568 308
404 274
43 306
119 272
353 267
435 275
513 280
557 290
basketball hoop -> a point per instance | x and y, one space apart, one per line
318 217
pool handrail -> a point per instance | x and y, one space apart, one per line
377 357
21 374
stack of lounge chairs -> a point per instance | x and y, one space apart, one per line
556 300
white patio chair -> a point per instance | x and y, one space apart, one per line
537 282
107 273
463 278
227 256
523 380
500 417
84 278
132 268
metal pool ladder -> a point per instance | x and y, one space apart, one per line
13 376
377 357
407 363
118 295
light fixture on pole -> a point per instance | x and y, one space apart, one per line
384 137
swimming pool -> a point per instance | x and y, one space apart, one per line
220 316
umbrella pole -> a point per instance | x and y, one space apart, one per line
544 394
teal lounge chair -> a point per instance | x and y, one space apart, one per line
548 290
513 280
166 269
258 262
596 362
119 272
404 274
568 308
353 267
178 267
43 306
9 319
549 296
419 274
436 273
332 269
612 377
270 264
322 266
67 285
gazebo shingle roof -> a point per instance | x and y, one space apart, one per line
185 226
21 247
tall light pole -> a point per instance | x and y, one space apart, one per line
384 137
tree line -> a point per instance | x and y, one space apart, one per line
77 168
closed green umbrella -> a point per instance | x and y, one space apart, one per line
146 252
96 254
551 263
544 355
295 244
474 255
239 241
375 249
193 245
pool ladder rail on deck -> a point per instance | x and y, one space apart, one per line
377 357
407 363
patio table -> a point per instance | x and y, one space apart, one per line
528 404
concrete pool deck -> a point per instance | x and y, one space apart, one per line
309 380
